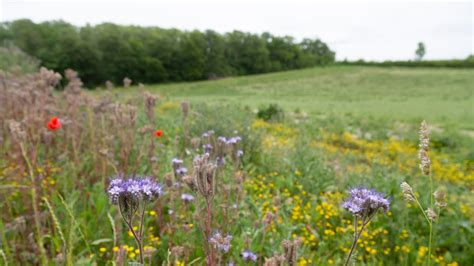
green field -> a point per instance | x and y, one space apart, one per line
442 96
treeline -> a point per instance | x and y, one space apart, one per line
455 63
151 54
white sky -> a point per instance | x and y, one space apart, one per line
376 30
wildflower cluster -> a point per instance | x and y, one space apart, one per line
220 242
365 202
134 188
131 193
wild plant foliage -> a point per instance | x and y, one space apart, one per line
98 179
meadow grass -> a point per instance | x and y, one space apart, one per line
442 96
288 187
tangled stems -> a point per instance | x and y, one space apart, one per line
138 237
39 238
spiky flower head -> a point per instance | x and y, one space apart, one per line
290 249
248 255
204 175
221 242
425 163
364 202
407 192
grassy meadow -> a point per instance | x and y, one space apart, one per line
273 188
442 96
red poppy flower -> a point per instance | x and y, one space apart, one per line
54 124
159 133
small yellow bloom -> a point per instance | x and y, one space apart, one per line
131 255
103 250
115 249
152 213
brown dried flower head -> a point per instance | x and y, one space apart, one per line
407 191
425 163
127 82
431 214
440 197
203 175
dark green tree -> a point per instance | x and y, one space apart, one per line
420 51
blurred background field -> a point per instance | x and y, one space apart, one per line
443 96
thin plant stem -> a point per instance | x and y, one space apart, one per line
137 237
431 224
354 244
365 222
210 255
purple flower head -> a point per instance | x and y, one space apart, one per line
187 197
234 140
207 148
221 242
240 153
136 188
205 135
176 162
220 161
222 139
248 255
365 202
181 170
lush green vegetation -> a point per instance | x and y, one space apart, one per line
466 63
13 59
443 96
340 127
151 54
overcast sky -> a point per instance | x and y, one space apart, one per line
369 30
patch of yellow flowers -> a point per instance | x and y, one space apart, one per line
392 153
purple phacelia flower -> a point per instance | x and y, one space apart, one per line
137 188
176 161
181 170
220 161
187 197
240 153
220 242
248 255
234 140
365 202
207 148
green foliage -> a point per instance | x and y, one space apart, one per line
151 54
272 112
420 51
455 63
14 59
